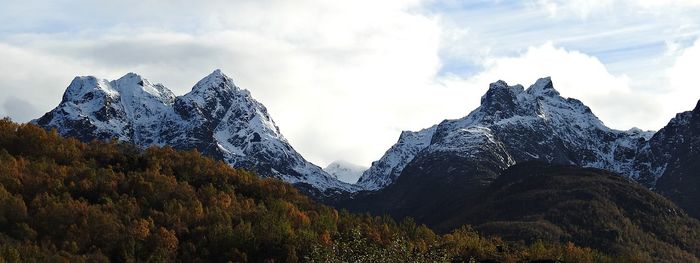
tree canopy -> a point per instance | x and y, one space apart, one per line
62 200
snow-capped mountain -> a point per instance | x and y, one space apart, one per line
345 171
431 174
514 125
217 118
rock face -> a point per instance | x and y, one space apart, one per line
455 159
217 118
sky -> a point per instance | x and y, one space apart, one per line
342 79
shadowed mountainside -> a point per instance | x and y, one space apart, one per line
557 203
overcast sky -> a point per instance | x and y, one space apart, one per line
343 78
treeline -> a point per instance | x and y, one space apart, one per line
62 200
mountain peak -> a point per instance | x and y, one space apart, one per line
217 71
130 81
131 75
83 88
217 74
543 87
498 84
133 88
217 81
500 98
133 79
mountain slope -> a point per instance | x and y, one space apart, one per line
217 118
677 147
536 201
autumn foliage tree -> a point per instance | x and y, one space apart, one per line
62 200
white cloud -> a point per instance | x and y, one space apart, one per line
32 82
575 75
672 3
683 91
581 8
588 9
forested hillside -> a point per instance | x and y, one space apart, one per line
588 206
62 200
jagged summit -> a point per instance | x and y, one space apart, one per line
131 76
500 100
216 80
500 91
543 86
216 117
81 86
500 84
136 87
134 81
85 88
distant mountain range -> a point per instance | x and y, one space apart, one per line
527 164
426 168
345 171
